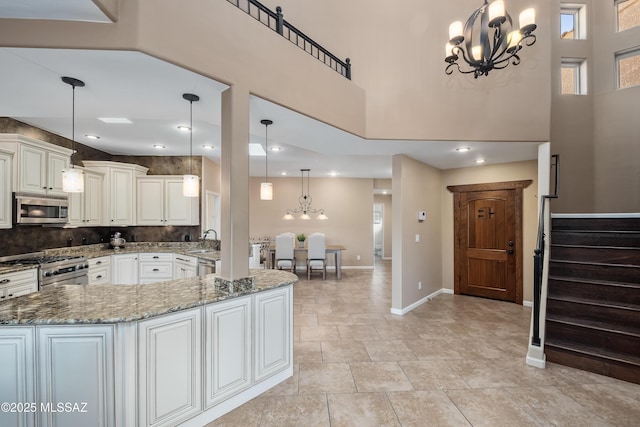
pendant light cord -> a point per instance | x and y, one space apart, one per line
73 124
266 152
190 137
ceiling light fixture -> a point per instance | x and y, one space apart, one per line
304 203
159 146
72 178
183 127
480 161
276 148
489 42
463 149
190 182
266 188
92 136
208 147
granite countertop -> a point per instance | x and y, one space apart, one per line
99 304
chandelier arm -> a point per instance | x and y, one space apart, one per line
530 38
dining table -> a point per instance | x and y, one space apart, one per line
336 250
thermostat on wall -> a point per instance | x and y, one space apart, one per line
422 215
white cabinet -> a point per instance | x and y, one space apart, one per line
17 376
185 266
119 191
85 209
169 360
227 335
6 179
124 269
273 329
18 283
100 270
37 165
160 202
155 267
84 354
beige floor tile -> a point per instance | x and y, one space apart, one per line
319 333
289 387
305 320
426 408
361 409
247 415
357 332
490 407
379 376
388 351
616 404
307 352
317 378
334 319
432 375
301 410
432 349
344 351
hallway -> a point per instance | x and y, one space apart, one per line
455 360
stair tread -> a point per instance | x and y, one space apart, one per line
593 351
599 303
570 230
606 264
595 281
624 248
591 324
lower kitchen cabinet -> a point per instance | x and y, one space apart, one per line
100 270
227 365
185 266
169 382
124 269
18 283
155 267
76 369
17 375
273 352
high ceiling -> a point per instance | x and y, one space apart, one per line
148 92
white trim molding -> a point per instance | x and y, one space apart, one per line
402 312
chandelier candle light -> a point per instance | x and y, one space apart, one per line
72 178
266 188
488 40
304 203
190 182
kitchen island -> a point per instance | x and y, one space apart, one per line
177 352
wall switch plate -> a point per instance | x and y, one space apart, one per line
417 238
422 215
419 285
357 257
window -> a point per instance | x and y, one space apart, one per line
573 75
627 14
573 21
628 68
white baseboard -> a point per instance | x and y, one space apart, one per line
402 312
527 303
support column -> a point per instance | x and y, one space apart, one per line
235 183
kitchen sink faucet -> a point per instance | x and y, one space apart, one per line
206 234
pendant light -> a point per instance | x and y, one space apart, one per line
72 178
190 182
266 188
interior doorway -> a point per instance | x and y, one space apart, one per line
488 240
378 230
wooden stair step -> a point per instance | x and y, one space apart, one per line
596 238
594 334
626 316
593 270
603 254
598 290
613 224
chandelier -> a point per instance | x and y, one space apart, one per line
304 203
488 40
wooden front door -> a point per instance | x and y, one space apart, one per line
488 240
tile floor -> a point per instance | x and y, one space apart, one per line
454 361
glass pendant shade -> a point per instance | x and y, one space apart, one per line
288 217
190 186
72 180
266 191
322 217
304 216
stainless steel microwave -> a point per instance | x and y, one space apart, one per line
30 209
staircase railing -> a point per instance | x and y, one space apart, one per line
275 21
538 257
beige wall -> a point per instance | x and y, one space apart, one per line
387 224
485 174
347 202
416 187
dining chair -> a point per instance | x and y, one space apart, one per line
285 258
316 254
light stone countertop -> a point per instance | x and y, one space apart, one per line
99 304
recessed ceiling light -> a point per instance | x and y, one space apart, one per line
208 147
159 146
480 161
184 128
92 136
284 173
333 173
463 149
276 148
120 120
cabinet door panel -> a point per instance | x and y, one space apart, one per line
124 269
76 365
33 166
178 209
150 202
6 178
55 164
170 368
93 199
228 351
122 197
17 374
273 332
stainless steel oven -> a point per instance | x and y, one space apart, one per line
53 270
29 209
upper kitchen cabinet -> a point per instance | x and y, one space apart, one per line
6 178
160 202
119 197
38 165
85 209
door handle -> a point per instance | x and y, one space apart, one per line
510 251
510 243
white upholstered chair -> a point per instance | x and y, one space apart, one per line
316 254
285 258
